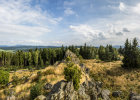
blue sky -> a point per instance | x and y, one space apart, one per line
67 22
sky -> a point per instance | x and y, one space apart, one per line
68 22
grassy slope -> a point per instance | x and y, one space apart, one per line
114 77
51 74
110 73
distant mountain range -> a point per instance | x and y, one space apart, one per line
27 47
24 47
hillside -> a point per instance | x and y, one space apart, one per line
24 47
110 74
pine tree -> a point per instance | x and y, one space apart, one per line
131 55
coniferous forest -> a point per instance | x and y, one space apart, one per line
39 58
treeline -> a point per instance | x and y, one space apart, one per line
131 53
107 53
39 58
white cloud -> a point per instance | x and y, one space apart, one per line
19 21
87 33
136 9
122 6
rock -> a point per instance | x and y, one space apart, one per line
137 97
65 91
100 84
8 84
57 92
12 97
82 95
116 94
48 86
90 89
105 94
82 66
87 70
41 97
134 96
70 94
73 57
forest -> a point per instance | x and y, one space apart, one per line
39 58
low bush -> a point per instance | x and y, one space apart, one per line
35 91
72 73
4 77
15 80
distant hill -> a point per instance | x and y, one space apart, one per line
24 47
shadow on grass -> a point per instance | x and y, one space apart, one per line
119 71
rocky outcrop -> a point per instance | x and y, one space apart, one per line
89 90
73 57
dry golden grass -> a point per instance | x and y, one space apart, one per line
51 74
113 76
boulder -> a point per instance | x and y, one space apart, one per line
87 70
116 94
137 97
70 94
90 89
81 94
12 97
41 97
105 94
134 96
48 86
57 92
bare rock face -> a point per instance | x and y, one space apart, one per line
64 90
73 57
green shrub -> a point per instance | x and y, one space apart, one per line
68 59
39 75
35 91
72 73
4 77
15 80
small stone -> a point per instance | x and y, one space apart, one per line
105 94
41 97
48 86
116 94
